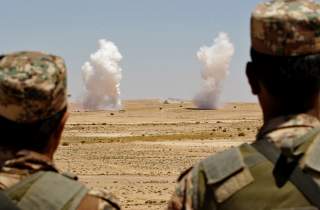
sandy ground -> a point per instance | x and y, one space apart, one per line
138 152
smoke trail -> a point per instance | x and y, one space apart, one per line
216 60
102 76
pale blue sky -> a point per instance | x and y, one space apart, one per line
158 39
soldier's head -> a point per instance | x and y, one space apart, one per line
33 101
285 52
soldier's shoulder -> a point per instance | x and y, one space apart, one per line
225 173
184 173
219 165
106 200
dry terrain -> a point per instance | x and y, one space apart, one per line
138 152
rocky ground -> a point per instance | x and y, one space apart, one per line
138 152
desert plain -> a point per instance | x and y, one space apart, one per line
138 152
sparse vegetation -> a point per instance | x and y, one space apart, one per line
147 147
241 134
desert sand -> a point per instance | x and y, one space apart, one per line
137 153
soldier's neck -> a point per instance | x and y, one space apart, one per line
273 107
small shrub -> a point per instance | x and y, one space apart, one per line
241 134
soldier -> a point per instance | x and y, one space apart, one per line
33 112
281 169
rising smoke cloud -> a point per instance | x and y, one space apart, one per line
216 61
102 76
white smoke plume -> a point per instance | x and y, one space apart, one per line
216 60
102 76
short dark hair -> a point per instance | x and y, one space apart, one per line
289 78
31 136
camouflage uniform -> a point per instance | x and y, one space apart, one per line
240 178
33 88
26 163
243 188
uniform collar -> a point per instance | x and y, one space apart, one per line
290 121
31 161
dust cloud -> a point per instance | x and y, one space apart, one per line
102 75
216 61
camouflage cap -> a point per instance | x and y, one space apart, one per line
286 27
32 86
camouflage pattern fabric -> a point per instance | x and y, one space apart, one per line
286 27
188 193
25 163
32 86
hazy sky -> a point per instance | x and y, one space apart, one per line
158 39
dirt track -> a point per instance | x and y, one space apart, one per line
139 152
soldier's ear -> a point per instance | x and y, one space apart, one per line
252 79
